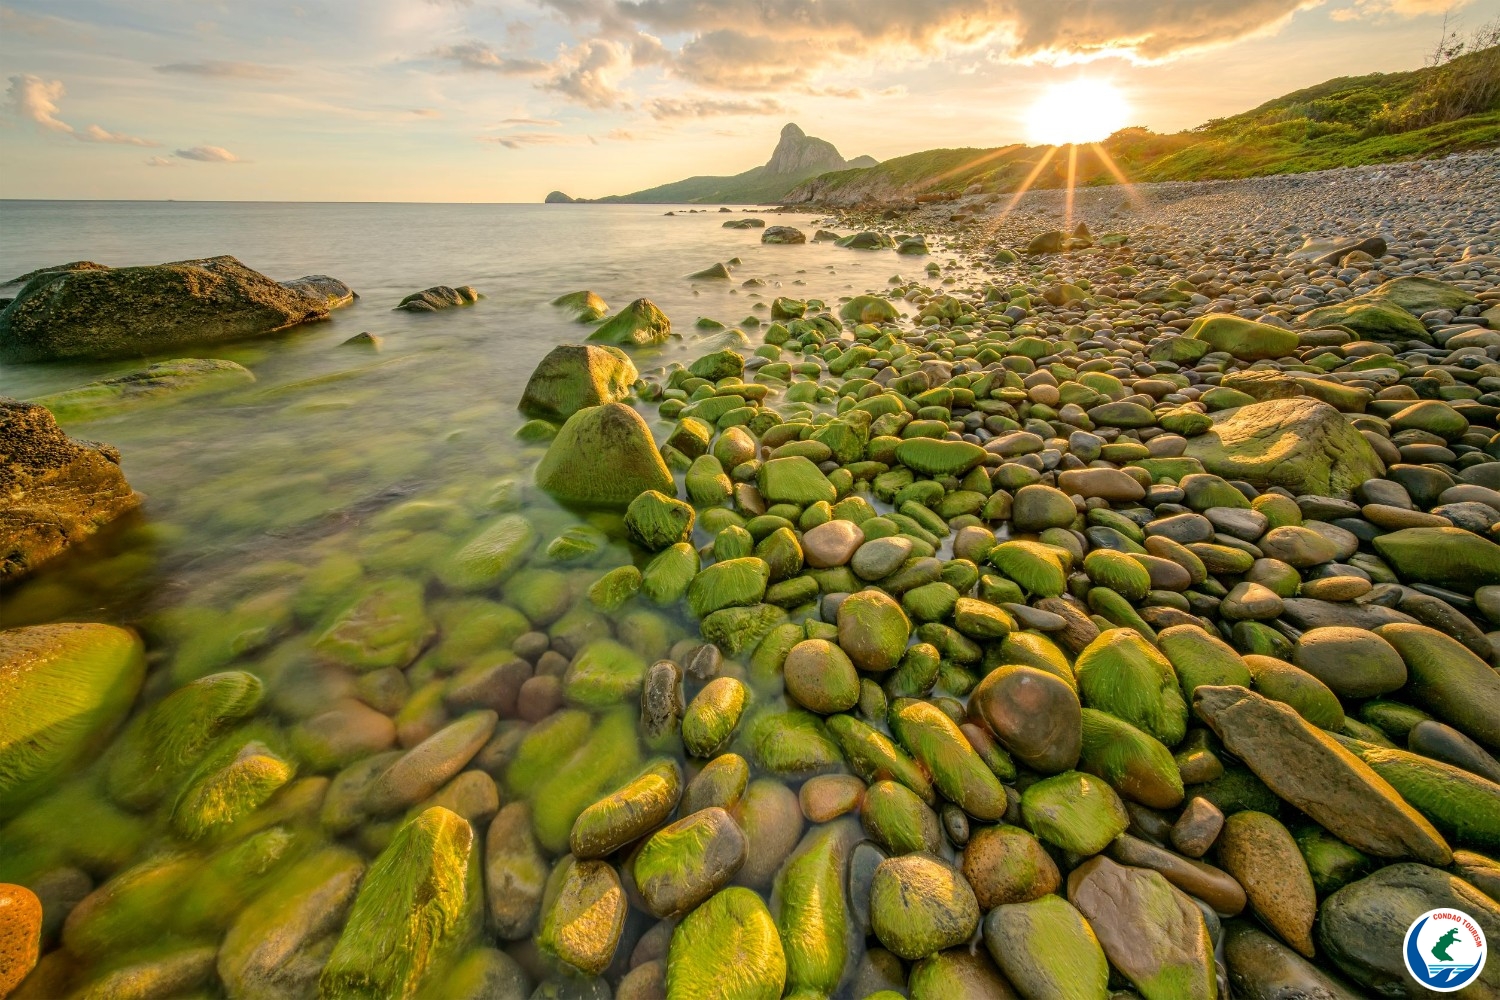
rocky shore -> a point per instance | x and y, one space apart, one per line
1107 607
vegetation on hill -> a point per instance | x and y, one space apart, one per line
1444 108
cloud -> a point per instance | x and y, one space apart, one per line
35 100
96 134
424 112
666 108
589 74
208 154
523 122
520 140
160 161
224 70
478 56
1386 10
780 45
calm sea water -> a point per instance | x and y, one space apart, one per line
328 427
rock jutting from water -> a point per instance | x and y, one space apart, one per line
1079 615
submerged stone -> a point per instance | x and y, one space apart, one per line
603 457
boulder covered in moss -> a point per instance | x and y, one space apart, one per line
573 376
604 456
54 491
1301 444
127 312
163 381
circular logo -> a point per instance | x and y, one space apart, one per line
1444 950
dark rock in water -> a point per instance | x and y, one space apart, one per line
322 288
1308 613
57 491
439 297
744 224
867 241
92 313
1048 242
164 380
641 323
1262 968
826 236
783 234
716 271
372 341
77 265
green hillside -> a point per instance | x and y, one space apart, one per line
753 186
1343 122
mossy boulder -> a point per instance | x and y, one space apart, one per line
384 625
686 862
727 949
656 521
489 556
58 491
603 674
161 382
873 630
796 480
171 736
1201 659
718 365
1123 674
1047 949
439 297
933 457
1246 339
585 306
1134 763
1301 444
641 324
583 915
920 905
1448 680
63 688
574 376
131 311
1076 812
868 309
1446 557
604 456
227 787
419 906
1039 569
639 807
957 770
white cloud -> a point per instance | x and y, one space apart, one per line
665 108
219 69
96 134
520 140
160 161
589 74
523 122
208 154
480 57
35 100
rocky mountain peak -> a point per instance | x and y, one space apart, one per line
800 154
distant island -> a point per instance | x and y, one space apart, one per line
796 158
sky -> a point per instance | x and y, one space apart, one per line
505 100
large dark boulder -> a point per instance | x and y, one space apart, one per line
54 491
124 312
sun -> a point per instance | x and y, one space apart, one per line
1081 110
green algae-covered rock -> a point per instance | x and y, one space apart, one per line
956 975
706 483
727 949
1283 682
957 771
271 949
873 630
1460 804
1123 674
792 743
1448 680
515 873
686 862
868 308
734 583
735 630
641 324
171 736
586 306
718 365
1200 658
125 312
161 382
1118 572
1246 339
643 804
604 674
63 688
567 777
1046 948
1038 568
1302 444
794 479
932 457
614 588
1149 930
1446 557
873 756
1135 764
574 376
898 820
811 911
384 625
604 456
419 906
488 556
1074 811
655 520
920 905
1417 294
228 787
711 718
667 577
821 677
583 914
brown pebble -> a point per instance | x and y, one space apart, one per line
829 796
20 934
1197 828
1262 856
540 696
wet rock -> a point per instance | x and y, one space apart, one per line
20 934
727 949
515 873
683 864
59 491
919 906
1302 444
641 806
583 915
1262 856
603 456
131 311
1076 812
425 768
1033 714
821 677
1046 948
1005 864
1262 968
1352 662
812 914
160 382
439 297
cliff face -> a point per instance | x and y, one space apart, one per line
801 155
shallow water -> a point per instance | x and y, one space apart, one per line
248 491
